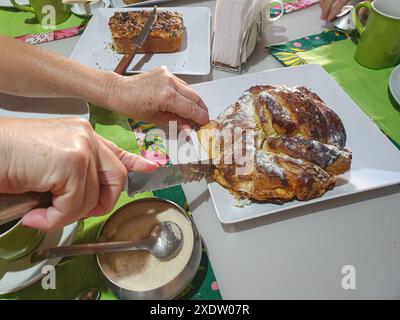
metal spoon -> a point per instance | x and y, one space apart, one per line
164 242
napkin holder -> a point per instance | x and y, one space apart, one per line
250 39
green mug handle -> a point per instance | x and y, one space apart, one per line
359 25
21 7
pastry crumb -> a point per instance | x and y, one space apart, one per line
241 203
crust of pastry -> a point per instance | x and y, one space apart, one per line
296 148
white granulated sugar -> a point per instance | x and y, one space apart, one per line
140 270
266 161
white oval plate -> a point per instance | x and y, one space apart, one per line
394 83
16 275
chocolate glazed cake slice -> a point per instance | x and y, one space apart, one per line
166 35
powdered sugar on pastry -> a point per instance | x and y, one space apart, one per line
268 163
240 112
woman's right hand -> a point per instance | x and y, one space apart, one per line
331 8
84 172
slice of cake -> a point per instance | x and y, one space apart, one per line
166 35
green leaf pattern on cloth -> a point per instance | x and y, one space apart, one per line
334 51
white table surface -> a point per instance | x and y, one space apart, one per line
298 253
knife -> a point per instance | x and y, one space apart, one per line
137 43
169 176
16 206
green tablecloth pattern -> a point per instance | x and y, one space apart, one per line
335 53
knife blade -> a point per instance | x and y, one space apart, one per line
16 206
169 176
137 43
144 33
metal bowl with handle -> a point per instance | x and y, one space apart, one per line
172 288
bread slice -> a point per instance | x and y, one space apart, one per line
166 35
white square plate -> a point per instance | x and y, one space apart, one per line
93 49
376 161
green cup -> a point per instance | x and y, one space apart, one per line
17 241
49 13
379 45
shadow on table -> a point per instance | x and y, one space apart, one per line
139 65
56 106
199 200
271 35
313 208
195 286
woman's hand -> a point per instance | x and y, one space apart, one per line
157 97
331 8
84 172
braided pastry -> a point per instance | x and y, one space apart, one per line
277 144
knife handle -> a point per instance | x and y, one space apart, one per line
14 206
125 61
